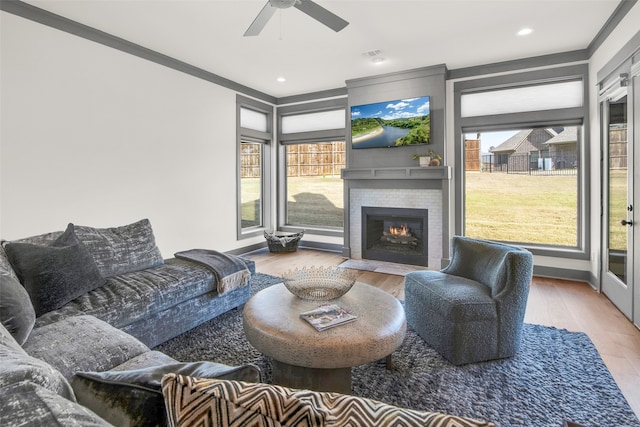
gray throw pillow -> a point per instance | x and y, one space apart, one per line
134 398
16 311
5 265
54 274
120 250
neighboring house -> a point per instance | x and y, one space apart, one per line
563 149
537 149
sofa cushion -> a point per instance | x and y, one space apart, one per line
134 397
127 298
54 274
26 403
16 311
16 365
455 298
82 343
120 250
195 401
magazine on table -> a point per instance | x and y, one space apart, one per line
327 316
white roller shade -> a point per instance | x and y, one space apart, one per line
251 119
308 122
551 96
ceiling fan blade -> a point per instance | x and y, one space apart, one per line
321 14
261 20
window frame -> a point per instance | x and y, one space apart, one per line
311 137
246 135
575 116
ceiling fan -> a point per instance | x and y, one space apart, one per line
309 7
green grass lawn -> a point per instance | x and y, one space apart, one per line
521 208
316 200
617 209
312 201
250 202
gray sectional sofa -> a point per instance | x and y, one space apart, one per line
139 292
80 310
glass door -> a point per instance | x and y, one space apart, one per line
618 226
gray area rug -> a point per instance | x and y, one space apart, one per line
557 375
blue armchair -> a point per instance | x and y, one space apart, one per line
472 310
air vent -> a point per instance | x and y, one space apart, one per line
372 53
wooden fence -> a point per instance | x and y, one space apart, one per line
323 159
472 154
618 147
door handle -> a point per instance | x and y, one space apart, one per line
625 222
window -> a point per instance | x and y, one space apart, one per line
251 184
313 151
524 188
314 187
254 139
520 175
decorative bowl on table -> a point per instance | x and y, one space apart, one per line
319 283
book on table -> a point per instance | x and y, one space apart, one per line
327 316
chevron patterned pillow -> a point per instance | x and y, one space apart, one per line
224 403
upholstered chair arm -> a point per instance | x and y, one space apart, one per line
518 269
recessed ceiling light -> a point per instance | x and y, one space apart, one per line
378 60
525 32
281 79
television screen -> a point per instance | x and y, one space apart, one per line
391 124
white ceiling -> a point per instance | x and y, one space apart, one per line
409 33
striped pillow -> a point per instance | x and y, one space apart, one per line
194 401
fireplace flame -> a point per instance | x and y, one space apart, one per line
403 230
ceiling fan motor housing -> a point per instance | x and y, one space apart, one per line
308 7
283 4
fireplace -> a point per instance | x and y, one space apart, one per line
399 187
395 235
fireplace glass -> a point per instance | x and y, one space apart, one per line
395 235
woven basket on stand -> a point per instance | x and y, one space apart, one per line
281 242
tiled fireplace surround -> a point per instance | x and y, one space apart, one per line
419 188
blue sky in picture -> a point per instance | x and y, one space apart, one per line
390 110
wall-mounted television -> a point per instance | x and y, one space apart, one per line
391 124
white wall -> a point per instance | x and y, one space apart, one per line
98 137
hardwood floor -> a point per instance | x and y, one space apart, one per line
564 304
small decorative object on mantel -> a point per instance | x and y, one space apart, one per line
430 158
281 242
319 283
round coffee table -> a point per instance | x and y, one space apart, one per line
322 361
